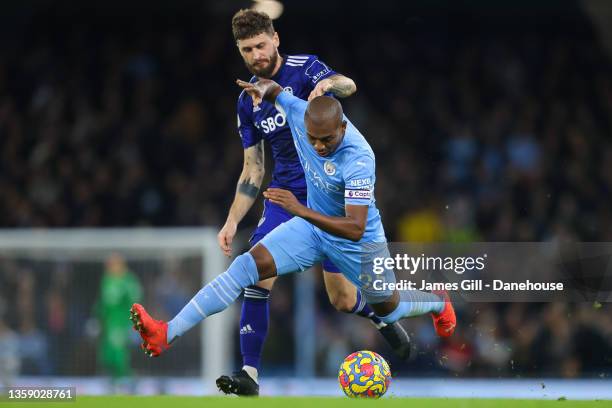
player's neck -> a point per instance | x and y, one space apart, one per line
337 146
279 64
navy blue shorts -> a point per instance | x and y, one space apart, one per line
273 216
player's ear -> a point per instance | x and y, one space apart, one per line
238 46
343 126
275 39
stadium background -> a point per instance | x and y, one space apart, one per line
489 122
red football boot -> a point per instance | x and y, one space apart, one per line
153 332
445 321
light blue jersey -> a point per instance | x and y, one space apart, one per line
344 177
347 176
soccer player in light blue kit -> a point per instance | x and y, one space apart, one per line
341 222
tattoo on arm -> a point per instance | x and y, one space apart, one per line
259 154
248 188
342 86
253 160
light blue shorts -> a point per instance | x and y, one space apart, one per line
272 217
296 245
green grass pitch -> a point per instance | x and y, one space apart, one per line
302 402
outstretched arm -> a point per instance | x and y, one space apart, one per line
351 226
249 183
264 89
340 85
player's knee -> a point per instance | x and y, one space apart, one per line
343 301
244 270
266 267
267 283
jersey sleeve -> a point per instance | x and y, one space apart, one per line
359 181
290 106
316 70
249 134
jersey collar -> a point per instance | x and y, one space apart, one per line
278 74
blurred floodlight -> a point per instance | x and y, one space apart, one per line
272 8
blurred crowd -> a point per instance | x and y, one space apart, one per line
496 137
499 137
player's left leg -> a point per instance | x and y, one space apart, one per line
347 298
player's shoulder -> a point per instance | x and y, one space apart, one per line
356 148
299 60
310 66
358 161
358 155
244 97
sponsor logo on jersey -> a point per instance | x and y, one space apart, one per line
330 168
288 89
271 123
361 183
358 194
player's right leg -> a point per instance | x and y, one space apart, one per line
357 262
291 247
347 298
414 303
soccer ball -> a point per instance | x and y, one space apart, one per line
364 374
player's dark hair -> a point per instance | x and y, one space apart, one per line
248 23
324 109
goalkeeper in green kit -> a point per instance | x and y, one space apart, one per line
119 289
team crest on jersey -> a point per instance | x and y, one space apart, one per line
330 168
288 89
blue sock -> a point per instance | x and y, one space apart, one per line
254 324
362 309
216 296
414 303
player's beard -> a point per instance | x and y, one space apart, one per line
265 72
